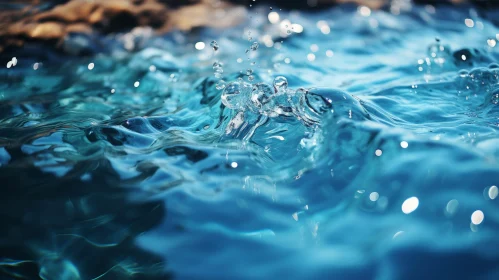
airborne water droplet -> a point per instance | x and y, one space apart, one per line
251 78
254 46
218 69
249 72
220 85
280 84
214 45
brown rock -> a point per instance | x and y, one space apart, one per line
206 14
78 28
111 16
47 30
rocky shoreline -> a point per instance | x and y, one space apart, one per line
49 22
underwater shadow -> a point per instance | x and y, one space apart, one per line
73 228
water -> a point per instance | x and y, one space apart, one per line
346 144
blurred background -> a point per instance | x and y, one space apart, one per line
51 20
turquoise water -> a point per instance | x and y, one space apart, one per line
343 144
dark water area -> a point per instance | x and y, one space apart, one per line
341 143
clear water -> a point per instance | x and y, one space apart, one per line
380 160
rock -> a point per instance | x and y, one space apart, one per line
51 21
47 30
52 25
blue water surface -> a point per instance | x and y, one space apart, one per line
349 144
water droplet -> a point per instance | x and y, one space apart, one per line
280 84
251 78
273 17
214 45
374 196
404 144
477 217
254 46
410 205
261 100
493 192
469 22
249 72
218 69
451 207
220 85
199 46
271 8
217 64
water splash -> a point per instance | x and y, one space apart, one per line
330 126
